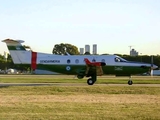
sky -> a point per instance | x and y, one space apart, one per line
113 25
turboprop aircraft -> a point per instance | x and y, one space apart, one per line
80 65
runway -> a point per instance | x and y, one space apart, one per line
72 84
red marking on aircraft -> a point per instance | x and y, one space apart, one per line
34 60
92 63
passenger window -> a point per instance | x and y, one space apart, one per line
77 61
68 61
103 60
93 60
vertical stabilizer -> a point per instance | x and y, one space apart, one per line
18 53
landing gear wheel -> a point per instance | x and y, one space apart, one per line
130 82
90 81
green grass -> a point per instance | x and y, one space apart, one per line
73 79
97 102
74 90
84 103
80 111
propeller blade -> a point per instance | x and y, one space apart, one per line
151 70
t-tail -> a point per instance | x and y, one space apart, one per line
18 52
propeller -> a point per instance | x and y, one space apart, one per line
151 70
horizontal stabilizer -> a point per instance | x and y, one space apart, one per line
11 41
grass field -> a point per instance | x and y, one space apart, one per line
74 79
97 102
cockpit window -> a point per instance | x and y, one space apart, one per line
118 59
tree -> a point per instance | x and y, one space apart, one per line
63 49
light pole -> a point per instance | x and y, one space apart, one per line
141 57
130 49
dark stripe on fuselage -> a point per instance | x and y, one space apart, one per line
16 48
137 62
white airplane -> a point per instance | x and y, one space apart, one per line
80 65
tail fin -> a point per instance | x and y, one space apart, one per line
18 53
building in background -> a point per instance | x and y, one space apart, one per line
133 52
94 49
87 48
81 51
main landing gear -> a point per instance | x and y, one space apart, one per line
130 81
92 80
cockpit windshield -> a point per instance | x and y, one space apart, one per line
119 59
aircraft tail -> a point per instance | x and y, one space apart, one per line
18 52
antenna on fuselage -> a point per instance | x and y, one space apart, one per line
67 53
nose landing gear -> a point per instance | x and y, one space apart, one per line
130 82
